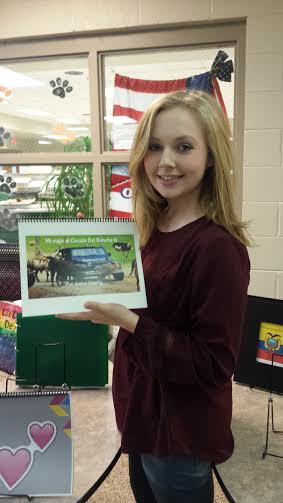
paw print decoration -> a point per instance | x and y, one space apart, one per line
7 184
5 94
73 187
60 88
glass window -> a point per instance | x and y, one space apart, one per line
44 105
134 80
88 254
43 191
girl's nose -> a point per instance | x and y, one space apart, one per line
167 159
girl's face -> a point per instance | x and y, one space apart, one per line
177 156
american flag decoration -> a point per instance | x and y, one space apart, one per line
133 96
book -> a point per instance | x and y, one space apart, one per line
36 453
8 328
52 351
65 263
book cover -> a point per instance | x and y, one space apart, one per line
8 329
66 263
36 455
270 343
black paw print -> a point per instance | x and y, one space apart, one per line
4 137
8 220
59 88
6 184
73 187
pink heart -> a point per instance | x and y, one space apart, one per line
14 465
42 434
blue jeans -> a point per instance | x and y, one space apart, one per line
172 479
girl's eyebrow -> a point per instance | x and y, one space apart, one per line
185 137
179 138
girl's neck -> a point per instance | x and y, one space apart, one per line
174 218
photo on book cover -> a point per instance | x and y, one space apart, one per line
64 264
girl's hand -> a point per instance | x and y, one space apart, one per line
109 314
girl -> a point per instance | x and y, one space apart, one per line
174 360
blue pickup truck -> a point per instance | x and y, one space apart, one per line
86 263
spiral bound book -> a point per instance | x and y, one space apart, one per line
36 454
65 263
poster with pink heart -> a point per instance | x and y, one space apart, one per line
36 453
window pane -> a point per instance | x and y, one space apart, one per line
134 80
44 191
118 191
44 105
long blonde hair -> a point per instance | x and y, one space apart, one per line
216 196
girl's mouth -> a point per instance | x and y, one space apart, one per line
168 180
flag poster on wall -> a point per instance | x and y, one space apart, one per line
270 344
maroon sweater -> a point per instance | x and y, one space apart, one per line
172 385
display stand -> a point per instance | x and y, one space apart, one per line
69 352
270 412
61 344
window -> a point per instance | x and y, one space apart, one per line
47 107
133 80
43 191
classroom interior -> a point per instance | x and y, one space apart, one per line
68 115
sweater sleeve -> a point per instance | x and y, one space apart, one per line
206 352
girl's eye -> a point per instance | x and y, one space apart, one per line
154 147
184 147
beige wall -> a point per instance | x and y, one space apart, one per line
263 164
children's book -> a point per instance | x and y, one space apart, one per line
65 263
8 319
36 455
270 344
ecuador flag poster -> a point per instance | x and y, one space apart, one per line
270 342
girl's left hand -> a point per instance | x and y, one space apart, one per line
109 314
